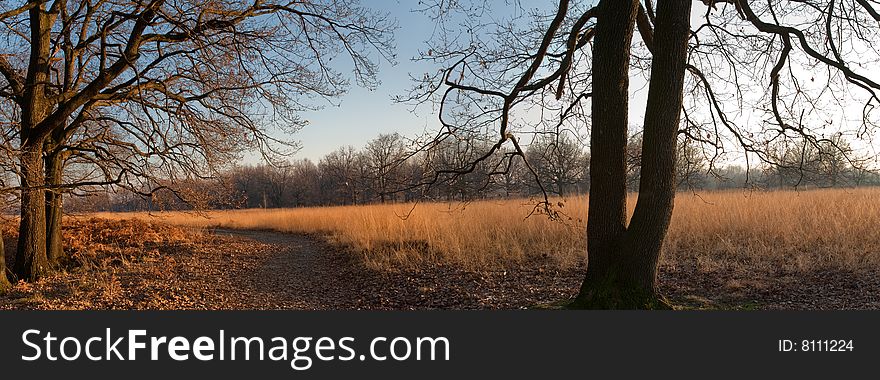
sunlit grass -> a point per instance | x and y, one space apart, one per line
788 230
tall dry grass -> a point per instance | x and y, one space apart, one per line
784 230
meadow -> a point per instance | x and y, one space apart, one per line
790 231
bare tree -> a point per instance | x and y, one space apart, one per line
277 184
5 200
249 185
690 166
165 89
559 162
304 184
385 156
341 176
515 179
456 153
793 65
826 164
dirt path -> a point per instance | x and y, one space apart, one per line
289 271
303 272
286 270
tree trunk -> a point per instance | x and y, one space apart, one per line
30 256
4 281
625 274
606 218
31 261
653 211
54 211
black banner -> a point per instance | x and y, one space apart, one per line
490 344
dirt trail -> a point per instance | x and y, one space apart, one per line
302 272
291 271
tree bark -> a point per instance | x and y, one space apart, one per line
606 218
31 261
625 274
653 211
4 281
54 211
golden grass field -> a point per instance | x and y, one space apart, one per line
787 230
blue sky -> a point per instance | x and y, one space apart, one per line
362 114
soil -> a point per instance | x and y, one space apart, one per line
269 270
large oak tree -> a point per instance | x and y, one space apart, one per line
140 93
737 76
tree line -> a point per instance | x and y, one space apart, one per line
387 169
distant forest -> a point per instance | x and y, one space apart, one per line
386 170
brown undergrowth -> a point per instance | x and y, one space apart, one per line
97 253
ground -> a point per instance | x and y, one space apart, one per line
228 269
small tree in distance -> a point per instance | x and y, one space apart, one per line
385 157
559 162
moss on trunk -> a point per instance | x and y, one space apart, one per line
614 288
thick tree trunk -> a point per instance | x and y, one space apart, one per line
54 212
31 261
606 219
653 211
4 281
625 274
30 257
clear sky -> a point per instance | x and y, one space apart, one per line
362 114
